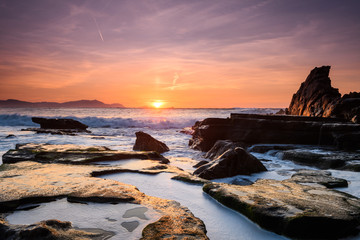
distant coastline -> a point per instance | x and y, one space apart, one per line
13 103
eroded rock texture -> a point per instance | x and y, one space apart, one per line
292 209
316 96
249 129
231 163
30 181
69 153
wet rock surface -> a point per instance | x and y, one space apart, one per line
73 154
250 129
28 181
59 123
69 132
324 160
320 157
232 162
58 126
291 209
220 147
145 142
49 230
318 177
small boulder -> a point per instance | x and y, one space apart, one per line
59 123
145 142
233 162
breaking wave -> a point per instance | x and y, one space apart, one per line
98 122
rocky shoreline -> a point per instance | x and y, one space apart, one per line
30 181
302 207
324 134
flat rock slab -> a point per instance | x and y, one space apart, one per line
291 209
318 177
325 160
33 182
70 132
69 153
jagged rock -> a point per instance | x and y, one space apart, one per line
145 142
202 162
318 177
220 147
69 153
250 129
291 209
59 123
231 163
316 96
348 107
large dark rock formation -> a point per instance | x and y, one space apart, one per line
145 142
316 97
249 129
233 162
291 209
348 107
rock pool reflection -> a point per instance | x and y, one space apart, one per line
221 222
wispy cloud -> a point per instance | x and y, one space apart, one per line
98 28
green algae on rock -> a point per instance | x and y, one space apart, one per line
291 209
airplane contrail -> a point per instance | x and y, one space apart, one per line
98 28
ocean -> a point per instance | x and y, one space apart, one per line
115 128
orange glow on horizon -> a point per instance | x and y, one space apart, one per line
157 104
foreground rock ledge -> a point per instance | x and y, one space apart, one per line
73 154
291 209
29 182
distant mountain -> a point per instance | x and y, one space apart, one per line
12 103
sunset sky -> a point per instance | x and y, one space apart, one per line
241 53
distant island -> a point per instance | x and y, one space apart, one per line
12 103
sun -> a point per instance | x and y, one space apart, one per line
157 104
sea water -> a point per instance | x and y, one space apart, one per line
115 128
